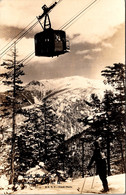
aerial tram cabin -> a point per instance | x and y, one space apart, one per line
50 42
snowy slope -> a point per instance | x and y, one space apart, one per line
87 185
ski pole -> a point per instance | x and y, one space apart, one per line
83 185
93 181
93 178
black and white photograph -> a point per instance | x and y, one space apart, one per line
62 97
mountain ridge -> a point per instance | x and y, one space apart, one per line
70 83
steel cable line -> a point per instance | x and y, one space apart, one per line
19 38
18 35
29 59
29 56
62 27
22 35
25 34
69 20
23 60
65 26
76 16
79 16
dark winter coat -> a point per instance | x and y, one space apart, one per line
100 161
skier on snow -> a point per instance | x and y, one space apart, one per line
100 161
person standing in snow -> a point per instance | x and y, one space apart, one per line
100 160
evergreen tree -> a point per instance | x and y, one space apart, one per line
37 139
109 113
115 76
11 104
51 138
30 140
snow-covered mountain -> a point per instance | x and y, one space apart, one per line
53 106
64 95
68 86
67 97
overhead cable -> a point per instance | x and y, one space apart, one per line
70 22
17 35
65 26
21 35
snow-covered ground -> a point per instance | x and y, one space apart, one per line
90 185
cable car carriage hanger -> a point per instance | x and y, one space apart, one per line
50 42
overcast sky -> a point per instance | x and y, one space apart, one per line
96 38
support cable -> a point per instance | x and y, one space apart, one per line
28 56
18 35
71 21
65 26
18 39
29 60
21 35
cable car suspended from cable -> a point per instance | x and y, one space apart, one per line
50 42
